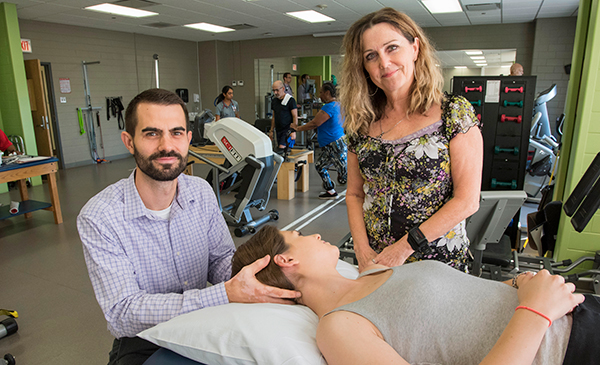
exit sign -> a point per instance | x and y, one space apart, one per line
26 45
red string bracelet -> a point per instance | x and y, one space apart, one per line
536 312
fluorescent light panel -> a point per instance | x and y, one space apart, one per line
460 66
442 6
120 10
207 27
310 16
478 57
470 53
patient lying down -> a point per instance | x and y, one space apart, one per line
426 312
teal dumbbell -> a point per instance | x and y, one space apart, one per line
512 184
475 103
513 103
498 150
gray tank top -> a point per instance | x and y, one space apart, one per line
431 313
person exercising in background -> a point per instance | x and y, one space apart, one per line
516 69
285 114
303 94
287 80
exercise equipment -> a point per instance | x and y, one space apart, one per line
507 184
8 359
513 103
479 117
86 116
249 156
478 88
475 102
542 155
8 327
513 89
505 118
542 230
513 150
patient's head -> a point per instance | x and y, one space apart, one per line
267 241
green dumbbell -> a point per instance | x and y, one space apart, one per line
498 150
512 184
475 103
513 103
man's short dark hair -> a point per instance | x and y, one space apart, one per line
286 75
303 77
151 96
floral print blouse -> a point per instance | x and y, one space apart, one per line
407 180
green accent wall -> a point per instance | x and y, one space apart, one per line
315 66
582 131
14 97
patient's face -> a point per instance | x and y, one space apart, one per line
311 247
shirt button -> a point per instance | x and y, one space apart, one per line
185 282
177 253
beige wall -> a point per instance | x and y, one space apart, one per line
554 38
519 36
125 69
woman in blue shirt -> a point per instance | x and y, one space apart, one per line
334 151
226 106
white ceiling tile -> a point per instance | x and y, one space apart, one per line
268 15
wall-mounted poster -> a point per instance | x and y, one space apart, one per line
65 85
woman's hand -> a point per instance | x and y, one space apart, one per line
548 294
364 257
396 254
271 134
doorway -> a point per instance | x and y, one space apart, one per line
43 109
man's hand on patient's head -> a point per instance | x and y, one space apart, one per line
245 288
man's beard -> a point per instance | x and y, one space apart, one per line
166 172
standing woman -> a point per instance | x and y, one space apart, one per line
415 155
226 106
330 135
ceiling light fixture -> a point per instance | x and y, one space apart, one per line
207 27
442 6
460 66
329 34
120 10
470 53
310 16
478 57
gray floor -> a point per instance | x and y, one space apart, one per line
43 274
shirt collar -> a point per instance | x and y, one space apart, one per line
134 206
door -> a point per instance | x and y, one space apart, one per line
39 108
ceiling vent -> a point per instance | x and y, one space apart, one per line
483 7
241 26
136 4
159 25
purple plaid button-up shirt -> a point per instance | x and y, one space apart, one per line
146 270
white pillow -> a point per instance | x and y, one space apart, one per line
245 333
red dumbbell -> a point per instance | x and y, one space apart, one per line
479 117
504 118
478 88
513 89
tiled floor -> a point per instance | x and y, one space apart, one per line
43 274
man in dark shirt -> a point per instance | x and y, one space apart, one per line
285 114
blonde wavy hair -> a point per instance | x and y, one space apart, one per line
362 101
